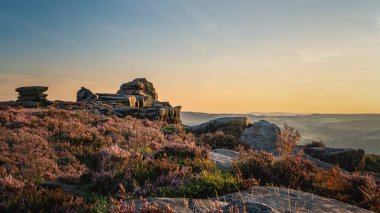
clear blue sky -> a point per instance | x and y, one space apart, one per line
211 55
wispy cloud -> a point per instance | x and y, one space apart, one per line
318 57
373 36
206 23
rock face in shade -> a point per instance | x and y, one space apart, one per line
228 125
262 136
32 93
85 95
347 159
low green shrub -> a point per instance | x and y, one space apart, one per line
170 129
372 163
209 184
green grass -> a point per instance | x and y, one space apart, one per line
372 163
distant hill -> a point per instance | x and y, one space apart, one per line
335 130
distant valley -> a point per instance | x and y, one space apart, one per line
335 130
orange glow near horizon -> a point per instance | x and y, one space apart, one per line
210 56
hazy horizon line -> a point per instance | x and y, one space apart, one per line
284 113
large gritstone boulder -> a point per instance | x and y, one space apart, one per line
262 136
348 159
85 95
229 125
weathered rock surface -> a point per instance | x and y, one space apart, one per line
223 158
32 93
137 98
347 159
32 90
139 86
85 95
262 136
228 125
258 199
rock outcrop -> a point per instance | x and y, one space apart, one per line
85 95
257 200
139 86
137 98
32 93
262 136
347 159
228 125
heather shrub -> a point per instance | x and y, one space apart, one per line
295 172
360 190
253 164
26 155
32 198
107 169
219 140
287 139
182 151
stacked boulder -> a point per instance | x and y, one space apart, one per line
137 98
138 87
32 94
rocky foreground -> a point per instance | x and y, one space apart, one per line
259 199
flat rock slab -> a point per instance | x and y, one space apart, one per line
258 199
223 158
32 89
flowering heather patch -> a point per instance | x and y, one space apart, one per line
252 164
295 172
96 153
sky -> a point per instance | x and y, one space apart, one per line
219 56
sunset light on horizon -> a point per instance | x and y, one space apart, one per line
216 56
